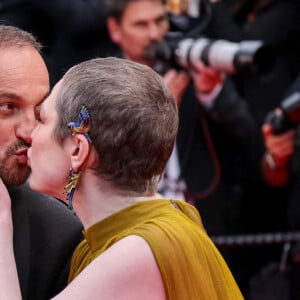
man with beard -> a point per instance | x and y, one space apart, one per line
45 231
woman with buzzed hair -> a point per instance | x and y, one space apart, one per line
106 132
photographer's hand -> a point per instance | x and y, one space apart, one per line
207 82
281 147
177 83
205 78
275 162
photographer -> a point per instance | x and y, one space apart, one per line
281 166
280 163
212 162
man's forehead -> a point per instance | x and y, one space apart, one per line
143 9
23 74
25 60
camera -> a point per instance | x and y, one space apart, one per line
187 44
286 116
224 56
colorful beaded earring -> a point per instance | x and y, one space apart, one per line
81 127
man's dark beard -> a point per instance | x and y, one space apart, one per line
13 173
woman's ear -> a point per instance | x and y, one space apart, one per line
78 148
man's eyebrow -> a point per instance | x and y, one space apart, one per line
6 95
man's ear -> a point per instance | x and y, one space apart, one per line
114 30
78 148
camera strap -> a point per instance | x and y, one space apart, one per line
192 197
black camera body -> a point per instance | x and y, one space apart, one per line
286 116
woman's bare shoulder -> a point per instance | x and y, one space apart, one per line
126 270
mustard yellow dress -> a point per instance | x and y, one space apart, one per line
190 265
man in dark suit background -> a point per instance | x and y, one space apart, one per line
45 230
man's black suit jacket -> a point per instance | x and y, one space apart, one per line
232 131
45 234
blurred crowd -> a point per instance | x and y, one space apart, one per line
236 156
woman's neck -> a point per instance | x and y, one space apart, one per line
97 201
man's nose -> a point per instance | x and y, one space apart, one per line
25 128
154 32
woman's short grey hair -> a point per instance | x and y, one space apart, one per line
134 118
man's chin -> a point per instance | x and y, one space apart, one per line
15 176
